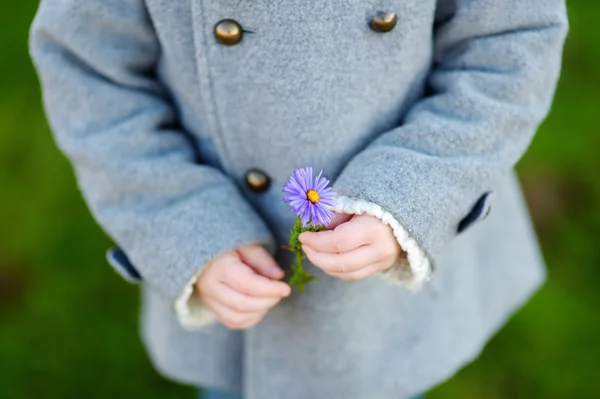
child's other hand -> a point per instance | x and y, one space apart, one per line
357 247
241 286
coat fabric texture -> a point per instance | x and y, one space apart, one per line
162 121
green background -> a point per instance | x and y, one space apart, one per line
68 323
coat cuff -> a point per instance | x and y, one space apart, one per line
191 312
411 272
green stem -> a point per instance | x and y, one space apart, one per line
300 277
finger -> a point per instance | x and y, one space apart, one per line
232 319
389 250
356 232
241 302
344 262
339 219
215 271
243 279
359 274
260 261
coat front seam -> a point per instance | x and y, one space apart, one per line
207 92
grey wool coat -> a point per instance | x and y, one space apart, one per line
162 117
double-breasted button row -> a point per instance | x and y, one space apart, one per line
229 32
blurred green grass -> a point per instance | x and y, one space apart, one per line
68 324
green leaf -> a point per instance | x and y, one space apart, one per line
300 277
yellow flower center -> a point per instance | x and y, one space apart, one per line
312 196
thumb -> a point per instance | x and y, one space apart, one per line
259 260
339 219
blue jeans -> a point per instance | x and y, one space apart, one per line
212 394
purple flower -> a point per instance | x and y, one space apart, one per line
309 199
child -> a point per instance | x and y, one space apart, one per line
184 119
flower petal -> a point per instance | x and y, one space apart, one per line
298 202
314 216
317 180
292 182
298 185
317 217
309 177
324 215
327 202
299 175
305 214
327 195
293 191
320 185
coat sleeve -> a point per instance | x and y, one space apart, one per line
496 64
135 166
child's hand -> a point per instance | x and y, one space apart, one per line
240 286
357 247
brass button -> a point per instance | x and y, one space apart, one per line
228 32
383 22
257 180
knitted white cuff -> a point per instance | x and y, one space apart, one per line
412 272
191 312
